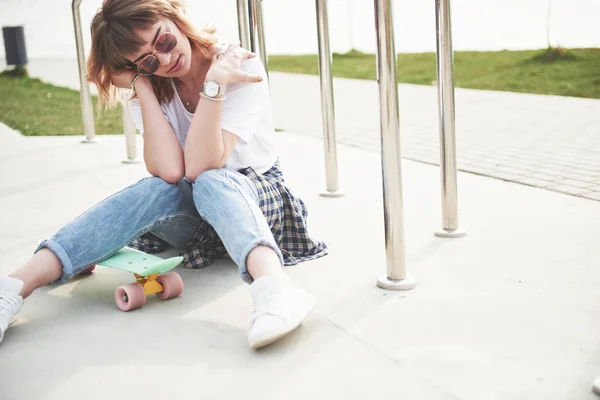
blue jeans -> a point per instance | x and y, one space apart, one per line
225 199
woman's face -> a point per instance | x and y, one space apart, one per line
164 34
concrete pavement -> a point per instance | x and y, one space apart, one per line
509 312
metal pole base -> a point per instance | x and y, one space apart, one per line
596 387
337 193
135 161
451 233
404 284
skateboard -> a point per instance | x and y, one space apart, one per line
151 277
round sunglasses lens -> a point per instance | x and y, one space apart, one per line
166 42
149 65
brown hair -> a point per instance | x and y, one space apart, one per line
113 37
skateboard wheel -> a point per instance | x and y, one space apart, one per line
90 269
129 297
172 285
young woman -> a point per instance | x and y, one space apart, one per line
216 188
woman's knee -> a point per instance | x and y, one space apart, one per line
155 183
211 175
152 193
155 188
224 187
211 179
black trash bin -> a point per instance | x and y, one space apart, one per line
14 45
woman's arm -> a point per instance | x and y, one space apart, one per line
163 155
207 145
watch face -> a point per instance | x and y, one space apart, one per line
211 89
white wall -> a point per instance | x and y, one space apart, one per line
291 26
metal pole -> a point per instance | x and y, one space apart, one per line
243 23
129 130
445 85
327 109
86 98
257 32
395 278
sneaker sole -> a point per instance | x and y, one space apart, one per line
272 339
14 321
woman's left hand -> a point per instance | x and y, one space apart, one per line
226 66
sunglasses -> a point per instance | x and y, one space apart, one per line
165 43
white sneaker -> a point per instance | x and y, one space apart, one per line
278 310
10 302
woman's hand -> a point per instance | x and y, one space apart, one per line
122 78
226 66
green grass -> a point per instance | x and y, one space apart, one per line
573 72
35 108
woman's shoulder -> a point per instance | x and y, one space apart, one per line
254 66
251 66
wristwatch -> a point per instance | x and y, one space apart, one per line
212 90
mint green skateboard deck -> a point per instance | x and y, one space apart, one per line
140 263
150 274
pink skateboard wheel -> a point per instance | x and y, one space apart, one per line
129 297
172 285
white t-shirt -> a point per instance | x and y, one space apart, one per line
246 112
